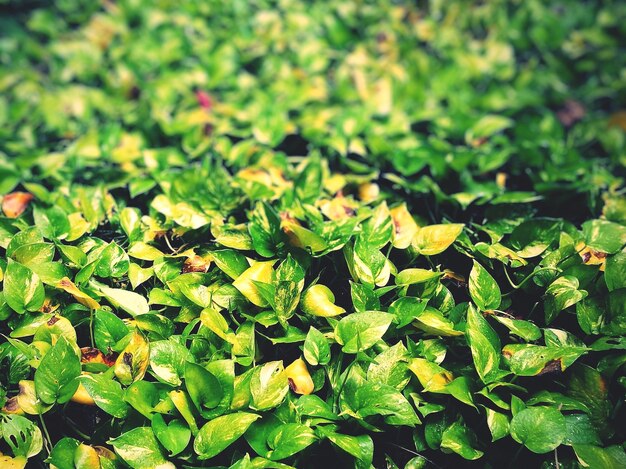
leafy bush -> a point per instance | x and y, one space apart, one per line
255 234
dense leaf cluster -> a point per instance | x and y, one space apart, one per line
256 233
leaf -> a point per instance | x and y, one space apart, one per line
615 271
108 329
289 439
246 283
378 229
414 276
167 360
390 367
174 436
483 289
55 378
363 297
487 126
106 393
361 447
498 424
215 436
434 239
359 331
268 385
531 360
561 294
131 302
15 203
112 261
133 361
601 458
140 449
203 387
21 435
484 344
459 439
381 399
604 236
540 429
22 288
316 348
68 286
523 329
62 455
406 309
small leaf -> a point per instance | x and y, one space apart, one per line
203 387
484 344
359 331
174 436
483 289
133 361
22 288
215 436
55 378
106 393
140 449
434 239
316 348
540 429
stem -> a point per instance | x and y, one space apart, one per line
556 459
47 439
526 279
91 336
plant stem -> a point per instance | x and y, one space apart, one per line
528 277
47 439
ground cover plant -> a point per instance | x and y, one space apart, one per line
253 234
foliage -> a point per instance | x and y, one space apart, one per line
281 234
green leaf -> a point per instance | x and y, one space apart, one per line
381 399
108 329
203 387
174 436
561 294
62 455
390 367
524 329
531 360
483 289
22 436
615 271
268 385
140 449
359 331
540 429
604 236
56 376
215 436
498 424
112 261
22 288
484 344
316 348
460 439
361 447
602 458
289 439
106 393
378 229
167 360
406 309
